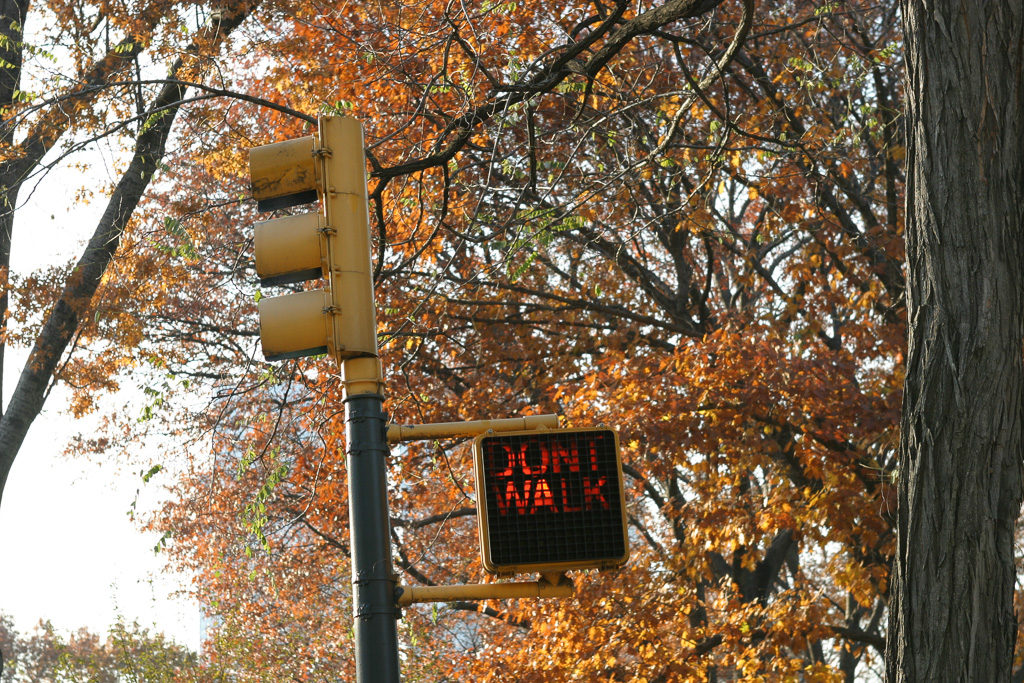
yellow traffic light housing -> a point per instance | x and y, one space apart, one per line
285 174
333 242
549 500
291 249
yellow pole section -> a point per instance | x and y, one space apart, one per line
346 214
442 430
362 376
485 591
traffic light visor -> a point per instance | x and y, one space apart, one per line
295 325
289 249
284 174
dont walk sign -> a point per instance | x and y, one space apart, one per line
550 500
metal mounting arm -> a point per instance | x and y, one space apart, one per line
444 430
548 586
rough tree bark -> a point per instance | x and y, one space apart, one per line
951 613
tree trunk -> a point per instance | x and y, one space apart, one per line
951 612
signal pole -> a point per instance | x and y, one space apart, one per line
373 578
334 243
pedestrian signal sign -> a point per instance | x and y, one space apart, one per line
550 500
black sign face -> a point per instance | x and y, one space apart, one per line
550 497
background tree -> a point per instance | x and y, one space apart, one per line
100 95
72 77
129 653
960 444
681 220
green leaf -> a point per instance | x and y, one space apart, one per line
152 471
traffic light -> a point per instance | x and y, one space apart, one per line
550 500
332 242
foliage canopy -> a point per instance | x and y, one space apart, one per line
681 219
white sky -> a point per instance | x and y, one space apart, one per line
69 553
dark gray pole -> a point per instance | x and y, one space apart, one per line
373 579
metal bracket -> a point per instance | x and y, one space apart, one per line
549 586
364 611
442 430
